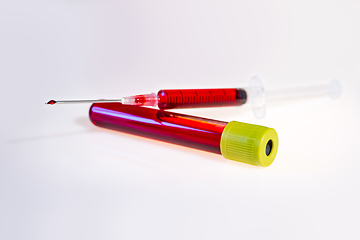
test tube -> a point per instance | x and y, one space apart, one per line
248 143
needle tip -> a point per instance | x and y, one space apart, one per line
51 102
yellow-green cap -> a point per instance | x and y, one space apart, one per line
249 143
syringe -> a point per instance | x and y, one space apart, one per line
255 94
181 98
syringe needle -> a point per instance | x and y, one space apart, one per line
52 102
137 100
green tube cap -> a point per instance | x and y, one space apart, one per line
249 143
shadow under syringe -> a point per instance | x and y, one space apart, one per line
83 121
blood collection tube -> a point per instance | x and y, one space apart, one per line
248 143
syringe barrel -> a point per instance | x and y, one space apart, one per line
197 98
243 142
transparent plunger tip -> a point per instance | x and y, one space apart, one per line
256 96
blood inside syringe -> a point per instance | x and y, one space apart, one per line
192 98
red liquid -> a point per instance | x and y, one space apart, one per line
140 100
194 98
190 131
51 102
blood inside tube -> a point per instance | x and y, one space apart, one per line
194 98
181 129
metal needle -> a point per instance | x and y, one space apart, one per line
52 102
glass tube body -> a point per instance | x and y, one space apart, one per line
181 129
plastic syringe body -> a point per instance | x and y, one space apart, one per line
252 144
254 94
190 98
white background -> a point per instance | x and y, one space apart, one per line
63 178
